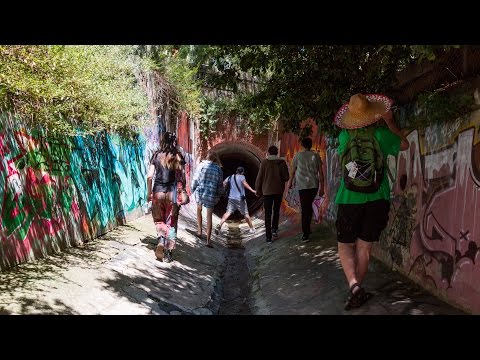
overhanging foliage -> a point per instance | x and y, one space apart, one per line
73 90
294 82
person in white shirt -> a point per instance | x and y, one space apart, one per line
236 198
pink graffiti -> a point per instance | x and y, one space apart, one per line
76 210
51 226
317 207
447 202
3 148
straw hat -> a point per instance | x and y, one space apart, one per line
362 110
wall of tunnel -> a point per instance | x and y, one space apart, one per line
58 192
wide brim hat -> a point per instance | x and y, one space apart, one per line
362 110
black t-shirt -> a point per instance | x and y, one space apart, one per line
164 178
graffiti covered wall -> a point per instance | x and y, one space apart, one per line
433 234
58 192
289 146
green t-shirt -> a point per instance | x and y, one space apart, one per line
390 145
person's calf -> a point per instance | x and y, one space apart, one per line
362 258
346 253
199 221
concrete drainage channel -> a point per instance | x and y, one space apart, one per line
235 281
231 295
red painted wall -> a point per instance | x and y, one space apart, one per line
227 131
289 146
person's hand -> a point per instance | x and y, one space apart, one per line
149 197
388 117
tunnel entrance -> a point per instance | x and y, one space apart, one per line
233 155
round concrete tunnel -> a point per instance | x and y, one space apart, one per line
233 155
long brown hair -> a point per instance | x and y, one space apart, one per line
168 154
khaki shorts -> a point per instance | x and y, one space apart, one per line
240 205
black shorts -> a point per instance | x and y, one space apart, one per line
362 221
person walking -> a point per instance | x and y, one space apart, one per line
207 186
307 176
166 164
237 199
270 184
363 197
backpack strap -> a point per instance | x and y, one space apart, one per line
238 187
389 173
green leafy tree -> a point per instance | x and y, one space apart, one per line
291 83
73 89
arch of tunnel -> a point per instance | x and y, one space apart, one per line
233 154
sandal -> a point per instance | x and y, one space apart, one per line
357 299
209 245
168 256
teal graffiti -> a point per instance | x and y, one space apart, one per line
109 175
50 184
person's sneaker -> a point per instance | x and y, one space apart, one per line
252 231
217 229
269 241
274 234
168 256
305 238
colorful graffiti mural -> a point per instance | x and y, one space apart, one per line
289 146
61 191
433 233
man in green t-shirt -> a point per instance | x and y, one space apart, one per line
362 216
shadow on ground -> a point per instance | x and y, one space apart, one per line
292 277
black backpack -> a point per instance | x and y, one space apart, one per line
228 185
